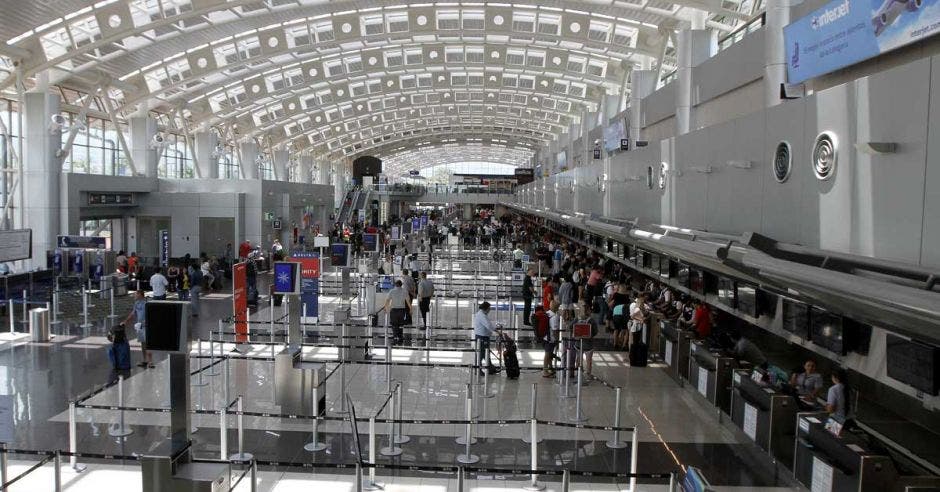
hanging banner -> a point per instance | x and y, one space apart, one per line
164 247
240 301
845 32
309 283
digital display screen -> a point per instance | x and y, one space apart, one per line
370 243
286 277
339 254
913 363
726 291
166 326
826 330
396 233
747 299
796 317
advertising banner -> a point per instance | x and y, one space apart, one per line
424 221
415 224
240 301
845 32
309 283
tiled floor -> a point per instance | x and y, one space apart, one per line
674 427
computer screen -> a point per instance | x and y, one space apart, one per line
370 243
796 317
167 329
913 363
826 330
339 255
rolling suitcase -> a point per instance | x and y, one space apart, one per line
639 353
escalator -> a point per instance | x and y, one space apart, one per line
348 206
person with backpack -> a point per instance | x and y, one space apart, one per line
119 353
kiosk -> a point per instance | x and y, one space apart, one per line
674 345
710 374
766 415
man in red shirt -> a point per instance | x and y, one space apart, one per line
702 319
244 248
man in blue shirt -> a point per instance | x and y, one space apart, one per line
482 330
139 315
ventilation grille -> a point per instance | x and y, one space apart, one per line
824 155
782 162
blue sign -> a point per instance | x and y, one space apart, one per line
309 290
845 32
79 262
424 221
57 262
89 242
98 271
286 274
415 224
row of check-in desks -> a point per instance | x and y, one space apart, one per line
819 459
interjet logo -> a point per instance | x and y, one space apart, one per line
830 15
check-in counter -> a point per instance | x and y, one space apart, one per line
765 415
845 462
674 346
710 373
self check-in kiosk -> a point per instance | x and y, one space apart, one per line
766 415
710 373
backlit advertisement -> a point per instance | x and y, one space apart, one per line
845 32
309 283
240 301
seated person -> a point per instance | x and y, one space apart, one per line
808 383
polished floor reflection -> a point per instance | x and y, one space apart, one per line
675 428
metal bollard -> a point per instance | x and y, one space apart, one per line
200 380
527 436
25 310
634 443
315 445
241 455
121 430
85 324
615 442
399 437
467 458
73 440
534 442
391 449
10 312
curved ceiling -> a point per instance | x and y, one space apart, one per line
344 77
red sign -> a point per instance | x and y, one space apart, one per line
240 301
309 267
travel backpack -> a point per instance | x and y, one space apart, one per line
541 324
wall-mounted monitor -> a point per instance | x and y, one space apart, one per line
370 243
287 277
766 303
167 326
339 255
826 329
696 280
747 298
726 292
913 363
796 317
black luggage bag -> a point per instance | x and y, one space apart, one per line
639 353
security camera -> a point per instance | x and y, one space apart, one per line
57 123
157 142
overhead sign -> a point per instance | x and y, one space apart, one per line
16 245
276 224
89 242
845 32
414 172
625 144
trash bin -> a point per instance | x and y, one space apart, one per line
39 324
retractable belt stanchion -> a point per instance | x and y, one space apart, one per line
200 380
565 480
240 422
578 416
57 471
634 444
527 436
111 296
121 430
213 371
26 309
315 445
615 442
392 449
12 315
467 458
399 437
373 459
223 432
73 439
388 359
342 373
85 323
534 452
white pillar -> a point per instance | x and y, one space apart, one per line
339 183
305 169
205 153
41 174
281 161
695 46
142 129
642 84
778 13
323 173
249 158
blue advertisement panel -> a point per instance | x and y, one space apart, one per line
309 282
424 221
416 224
845 32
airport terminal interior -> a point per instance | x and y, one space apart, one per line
431 246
